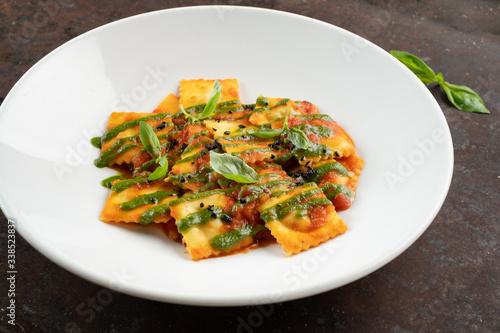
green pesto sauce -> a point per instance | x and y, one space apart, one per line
325 168
318 130
253 150
261 100
314 150
230 108
197 145
239 144
267 165
229 239
315 116
261 187
207 187
107 183
283 158
274 212
146 199
267 175
118 187
197 218
278 215
191 175
332 190
245 137
195 135
282 102
103 160
149 215
96 142
144 166
113 132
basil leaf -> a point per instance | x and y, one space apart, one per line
191 118
232 168
417 66
209 108
464 98
160 171
149 139
285 124
267 133
298 138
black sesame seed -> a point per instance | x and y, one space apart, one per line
182 179
302 158
189 177
153 200
174 143
211 208
300 183
292 147
230 112
172 173
337 154
184 145
241 126
308 162
324 151
243 201
202 205
277 142
227 132
208 146
213 216
226 218
215 129
149 181
192 163
203 152
161 126
273 157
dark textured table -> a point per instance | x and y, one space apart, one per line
447 281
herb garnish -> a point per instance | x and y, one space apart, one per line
209 108
152 146
464 98
295 135
231 167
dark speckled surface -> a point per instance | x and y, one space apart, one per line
447 281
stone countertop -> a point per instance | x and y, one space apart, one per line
447 281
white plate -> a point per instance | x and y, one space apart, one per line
50 187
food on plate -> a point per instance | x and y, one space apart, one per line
221 176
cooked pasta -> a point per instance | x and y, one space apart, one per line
289 170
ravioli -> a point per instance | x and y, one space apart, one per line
293 199
121 141
128 200
301 218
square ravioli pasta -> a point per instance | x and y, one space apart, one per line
282 171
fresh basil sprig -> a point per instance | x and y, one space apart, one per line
231 167
210 106
160 171
149 139
192 119
296 136
152 146
462 97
